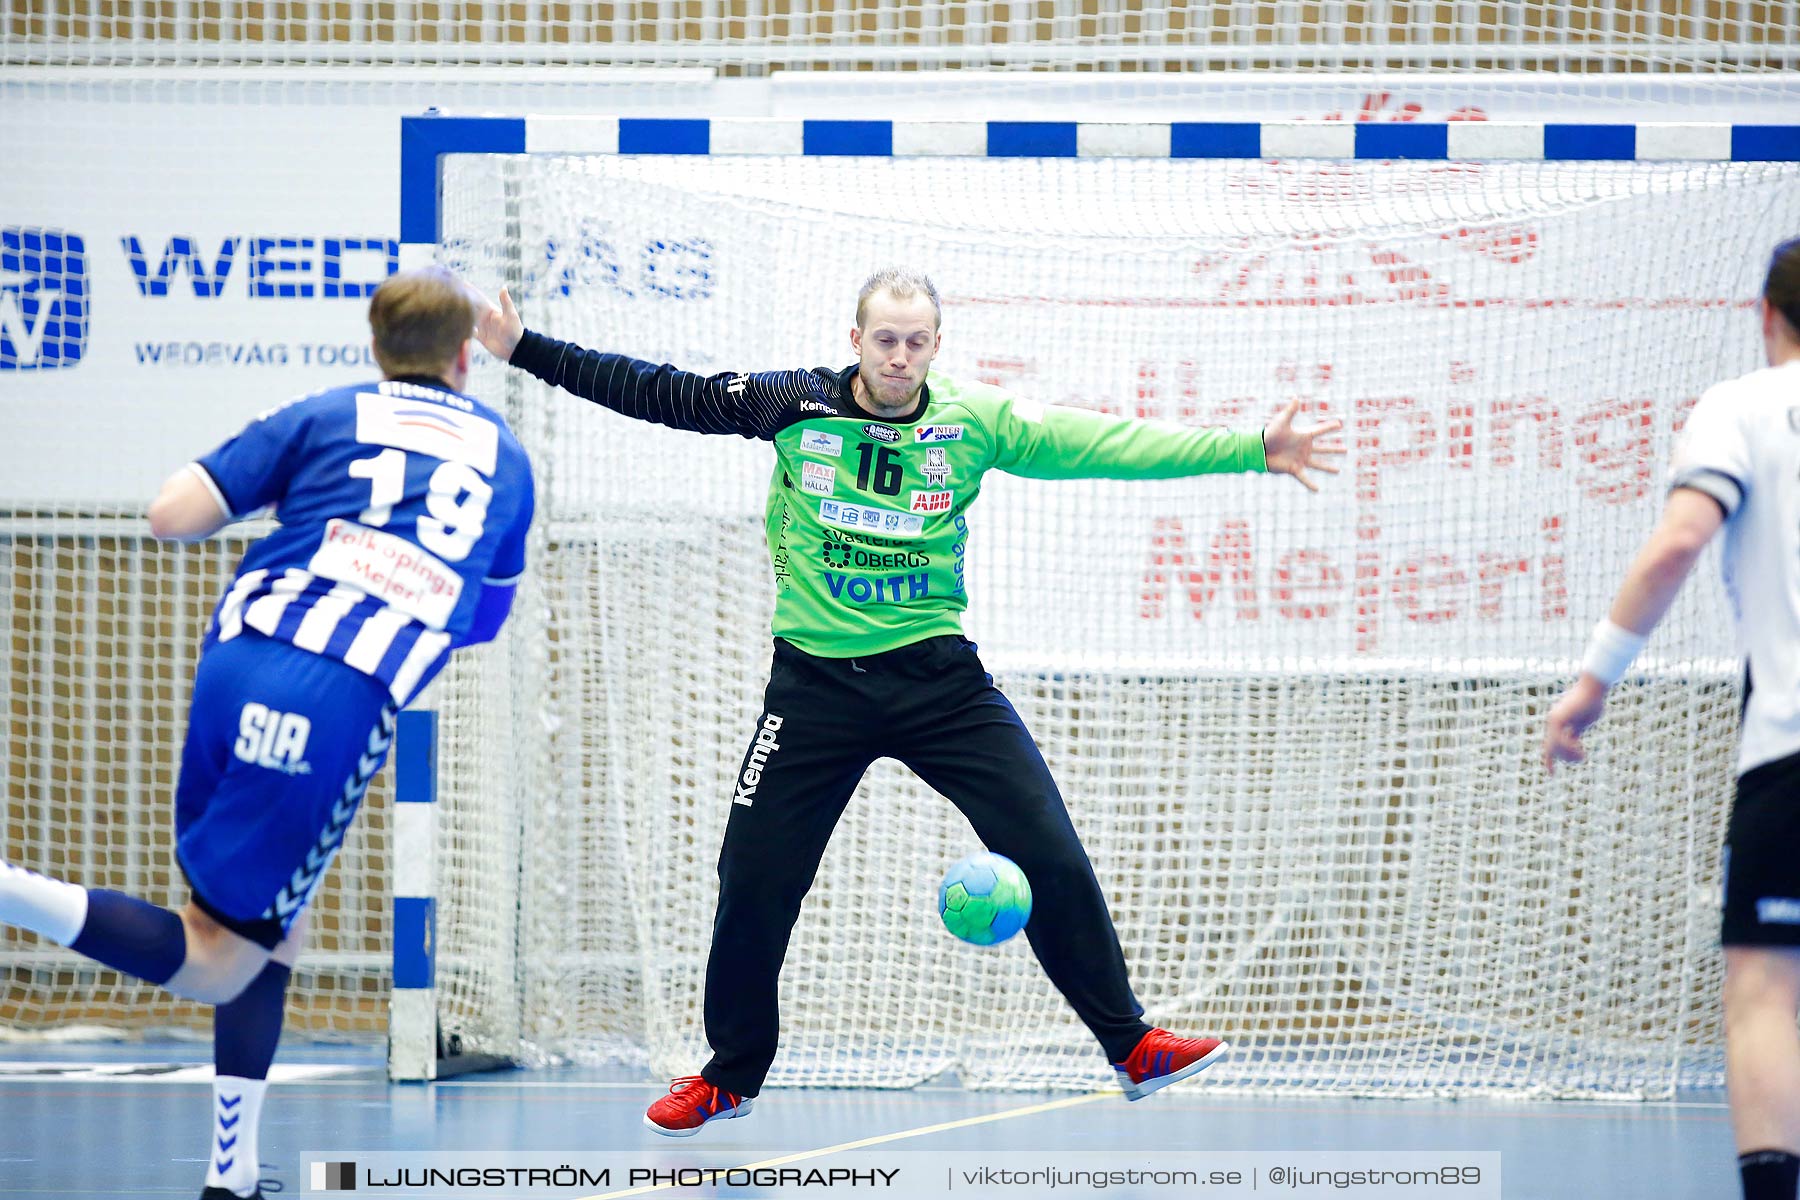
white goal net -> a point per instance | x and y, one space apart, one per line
1297 733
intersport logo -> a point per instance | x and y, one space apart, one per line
43 298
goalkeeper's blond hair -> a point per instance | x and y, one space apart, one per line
901 282
420 320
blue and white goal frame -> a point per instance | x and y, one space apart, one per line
414 1052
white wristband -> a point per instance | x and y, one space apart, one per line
1610 651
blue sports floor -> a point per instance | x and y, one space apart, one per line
115 1121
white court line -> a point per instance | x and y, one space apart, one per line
803 1155
1504 1105
143 1072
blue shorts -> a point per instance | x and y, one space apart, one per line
281 745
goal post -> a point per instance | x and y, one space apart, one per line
1297 733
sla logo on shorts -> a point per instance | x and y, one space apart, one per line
43 298
818 478
271 739
817 441
882 433
758 762
939 433
932 502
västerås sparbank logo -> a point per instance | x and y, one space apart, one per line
43 298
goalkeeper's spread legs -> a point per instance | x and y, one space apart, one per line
932 706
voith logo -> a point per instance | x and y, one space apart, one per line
334 1177
43 298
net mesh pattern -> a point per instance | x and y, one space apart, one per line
757 37
1297 733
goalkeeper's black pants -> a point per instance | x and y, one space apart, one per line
932 706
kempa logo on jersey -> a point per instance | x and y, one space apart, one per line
882 433
271 739
938 433
932 502
817 441
818 478
760 750
43 298
810 405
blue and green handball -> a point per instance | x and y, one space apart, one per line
985 899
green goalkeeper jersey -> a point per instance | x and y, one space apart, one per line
868 518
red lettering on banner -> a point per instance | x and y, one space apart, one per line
1546 422
1418 580
1621 465
1684 408
1504 243
1368 595
1375 107
1307 583
1229 563
1553 586
1408 280
1148 401
1372 457
1492 574
1461 417
1004 372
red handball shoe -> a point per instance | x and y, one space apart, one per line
691 1103
1161 1058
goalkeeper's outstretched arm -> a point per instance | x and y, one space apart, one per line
1054 442
752 406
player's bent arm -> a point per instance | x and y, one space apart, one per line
189 507
751 406
491 610
1689 521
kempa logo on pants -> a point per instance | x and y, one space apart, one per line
334 1177
764 746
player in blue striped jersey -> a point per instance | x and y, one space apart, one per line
403 507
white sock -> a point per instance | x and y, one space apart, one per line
48 907
231 1154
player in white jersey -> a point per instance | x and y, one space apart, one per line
1738 467
403 506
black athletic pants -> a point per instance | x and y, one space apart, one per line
935 708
